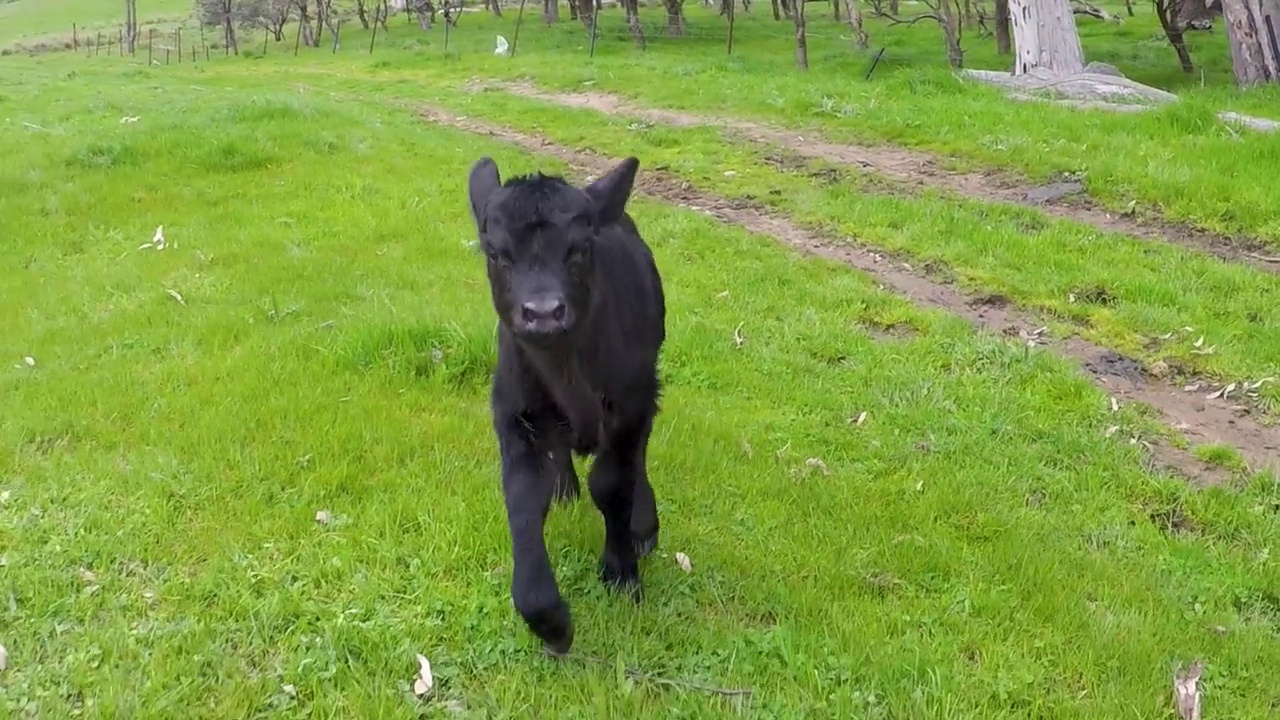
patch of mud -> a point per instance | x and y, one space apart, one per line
919 170
1199 420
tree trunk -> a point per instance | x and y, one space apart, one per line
951 32
1045 36
1165 11
786 9
854 15
1128 7
551 11
802 42
131 24
494 6
1003 46
586 10
893 8
633 21
675 17
1253 29
835 10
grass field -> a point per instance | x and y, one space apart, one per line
889 513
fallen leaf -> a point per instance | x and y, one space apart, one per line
683 561
30 361
1186 696
425 681
174 294
1199 341
4 659
1115 405
862 417
738 338
1159 369
814 462
730 173
289 690
1112 430
87 575
4 496
323 517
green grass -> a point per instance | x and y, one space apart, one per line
980 547
1178 161
47 23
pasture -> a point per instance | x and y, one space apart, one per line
930 450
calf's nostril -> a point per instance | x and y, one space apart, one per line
557 314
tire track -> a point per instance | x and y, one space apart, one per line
915 170
1198 419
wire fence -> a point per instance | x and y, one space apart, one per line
521 28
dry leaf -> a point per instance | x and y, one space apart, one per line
157 240
4 497
323 517
817 463
174 294
425 681
862 417
738 338
1221 393
683 561
1199 341
4 659
1186 696
1115 405
30 361
1112 430
289 690
87 575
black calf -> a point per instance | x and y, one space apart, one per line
581 320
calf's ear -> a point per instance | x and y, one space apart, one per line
611 191
481 183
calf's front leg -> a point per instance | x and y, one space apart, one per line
527 488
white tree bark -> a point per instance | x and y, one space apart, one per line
1253 28
1045 36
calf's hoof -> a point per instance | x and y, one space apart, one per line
552 624
619 580
644 545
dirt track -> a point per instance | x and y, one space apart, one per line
916 170
1198 419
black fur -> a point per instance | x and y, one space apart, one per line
582 318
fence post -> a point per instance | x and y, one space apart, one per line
178 34
75 37
151 35
516 37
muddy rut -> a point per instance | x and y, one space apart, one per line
916 170
1198 419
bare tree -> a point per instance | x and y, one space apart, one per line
1167 12
675 17
551 11
853 14
1004 43
276 17
131 24
802 42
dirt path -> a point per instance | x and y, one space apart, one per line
1198 419
916 170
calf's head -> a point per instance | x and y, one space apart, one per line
538 234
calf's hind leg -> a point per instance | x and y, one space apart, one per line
559 455
613 482
644 513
